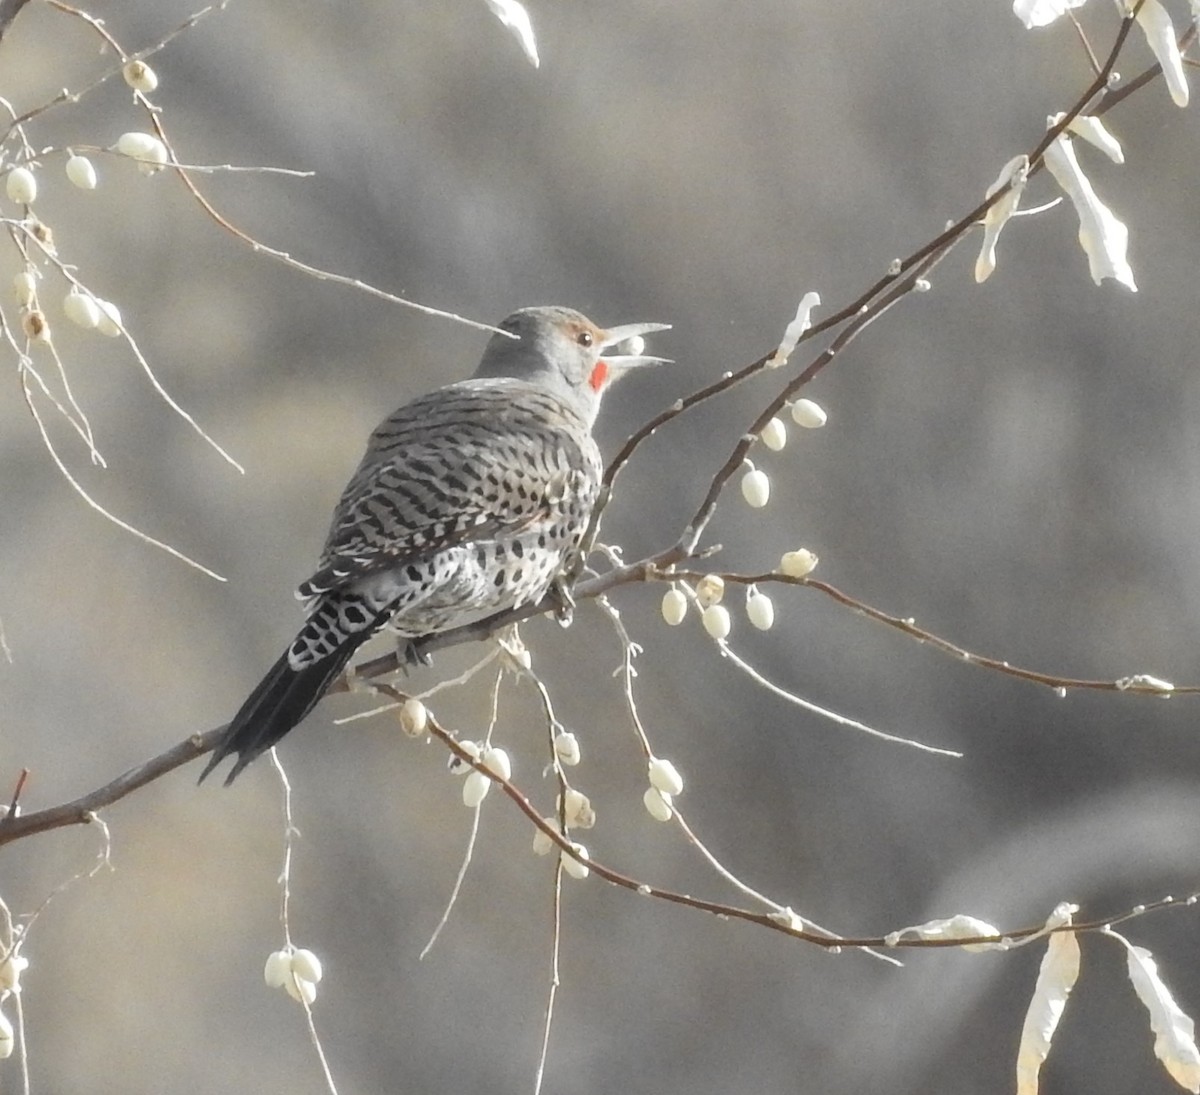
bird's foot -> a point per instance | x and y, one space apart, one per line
412 654
564 602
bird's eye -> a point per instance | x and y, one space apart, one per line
584 338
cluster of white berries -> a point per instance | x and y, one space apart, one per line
10 983
296 970
477 785
21 186
665 784
710 591
756 484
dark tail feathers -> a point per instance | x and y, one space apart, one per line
281 700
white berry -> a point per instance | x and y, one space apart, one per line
110 318
674 606
664 776
6 1037
457 765
759 609
756 488
81 309
414 717
566 748
10 972
25 286
577 810
307 966
496 760
300 990
716 621
808 414
710 589
774 435
278 969
147 149
475 789
140 76
797 564
21 185
572 866
81 172
658 804
541 841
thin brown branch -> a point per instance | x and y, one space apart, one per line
79 811
1137 685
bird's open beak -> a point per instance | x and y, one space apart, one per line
631 334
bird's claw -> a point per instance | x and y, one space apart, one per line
412 654
564 602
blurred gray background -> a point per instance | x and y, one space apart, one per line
1014 465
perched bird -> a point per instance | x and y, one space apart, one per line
470 499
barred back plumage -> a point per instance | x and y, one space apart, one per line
470 499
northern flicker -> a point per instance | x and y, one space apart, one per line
469 500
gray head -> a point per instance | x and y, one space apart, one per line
564 351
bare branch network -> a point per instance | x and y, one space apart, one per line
683 567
